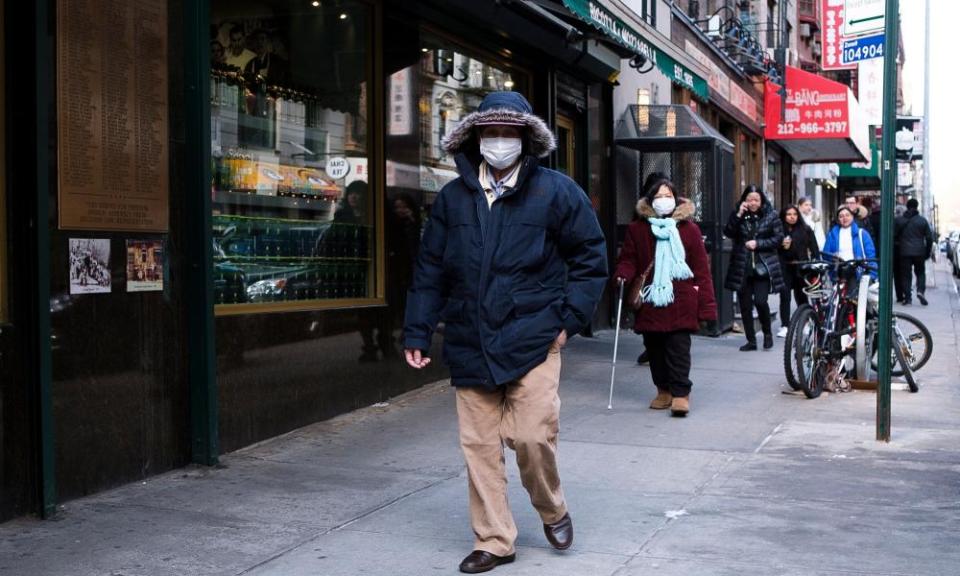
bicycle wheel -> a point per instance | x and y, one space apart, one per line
917 343
810 370
797 324
906 372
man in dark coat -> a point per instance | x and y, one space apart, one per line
754 271
512 261
916 244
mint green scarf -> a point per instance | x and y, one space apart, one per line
671 262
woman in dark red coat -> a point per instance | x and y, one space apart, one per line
678 294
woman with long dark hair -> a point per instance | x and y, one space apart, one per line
754 268
799 244
665 240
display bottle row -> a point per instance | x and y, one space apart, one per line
245 238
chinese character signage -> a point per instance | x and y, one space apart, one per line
832 13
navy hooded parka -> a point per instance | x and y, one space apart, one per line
505 279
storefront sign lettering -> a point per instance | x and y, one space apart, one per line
337 167
601 18
616 28
815 107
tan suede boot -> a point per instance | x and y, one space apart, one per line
680 406
662 401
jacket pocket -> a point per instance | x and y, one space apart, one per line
532 300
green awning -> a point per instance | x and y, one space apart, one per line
603 19
863 169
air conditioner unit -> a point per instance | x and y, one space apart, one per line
815 50
805 31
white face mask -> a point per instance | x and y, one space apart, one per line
664 206
500 152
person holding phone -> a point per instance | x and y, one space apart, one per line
799 244
754 269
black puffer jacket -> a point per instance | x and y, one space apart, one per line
913 234
764 227
803 246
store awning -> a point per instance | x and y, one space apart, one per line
822 121
675 66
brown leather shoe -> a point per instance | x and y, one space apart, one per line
680 406
482 561
560 533
662 401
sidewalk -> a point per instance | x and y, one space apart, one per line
753 482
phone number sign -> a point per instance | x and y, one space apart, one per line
855 50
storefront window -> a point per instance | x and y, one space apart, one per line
426 100
293 206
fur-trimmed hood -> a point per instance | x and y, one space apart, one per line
502 108
685 210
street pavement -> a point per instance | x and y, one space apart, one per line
753 482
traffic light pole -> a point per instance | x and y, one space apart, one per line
891 55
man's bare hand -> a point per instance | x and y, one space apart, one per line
415 358
561 340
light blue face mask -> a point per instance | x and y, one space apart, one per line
500 152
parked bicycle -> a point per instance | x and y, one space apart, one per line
830 338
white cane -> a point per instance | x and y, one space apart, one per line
616 344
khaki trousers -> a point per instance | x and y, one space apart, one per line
524 415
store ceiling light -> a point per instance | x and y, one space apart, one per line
508 84
424 49
343 16
315 3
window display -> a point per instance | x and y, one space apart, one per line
293 208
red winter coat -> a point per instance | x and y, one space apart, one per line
693 299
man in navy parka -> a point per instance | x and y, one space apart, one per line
513 261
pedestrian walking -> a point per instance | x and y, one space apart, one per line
799 244
666 240
513 261
754 269
860 213
812 219
916 245
898 211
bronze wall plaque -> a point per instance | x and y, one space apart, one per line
112 115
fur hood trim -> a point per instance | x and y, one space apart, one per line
539 140
684 210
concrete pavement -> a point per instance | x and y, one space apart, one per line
753 482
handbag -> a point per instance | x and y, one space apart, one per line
635 297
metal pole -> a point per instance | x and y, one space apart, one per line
891 56
927 192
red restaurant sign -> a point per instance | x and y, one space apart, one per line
822 120
816 108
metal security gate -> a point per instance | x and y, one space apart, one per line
674 140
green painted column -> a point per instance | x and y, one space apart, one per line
198 247
886 215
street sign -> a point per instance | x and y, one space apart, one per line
863 17
853 50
